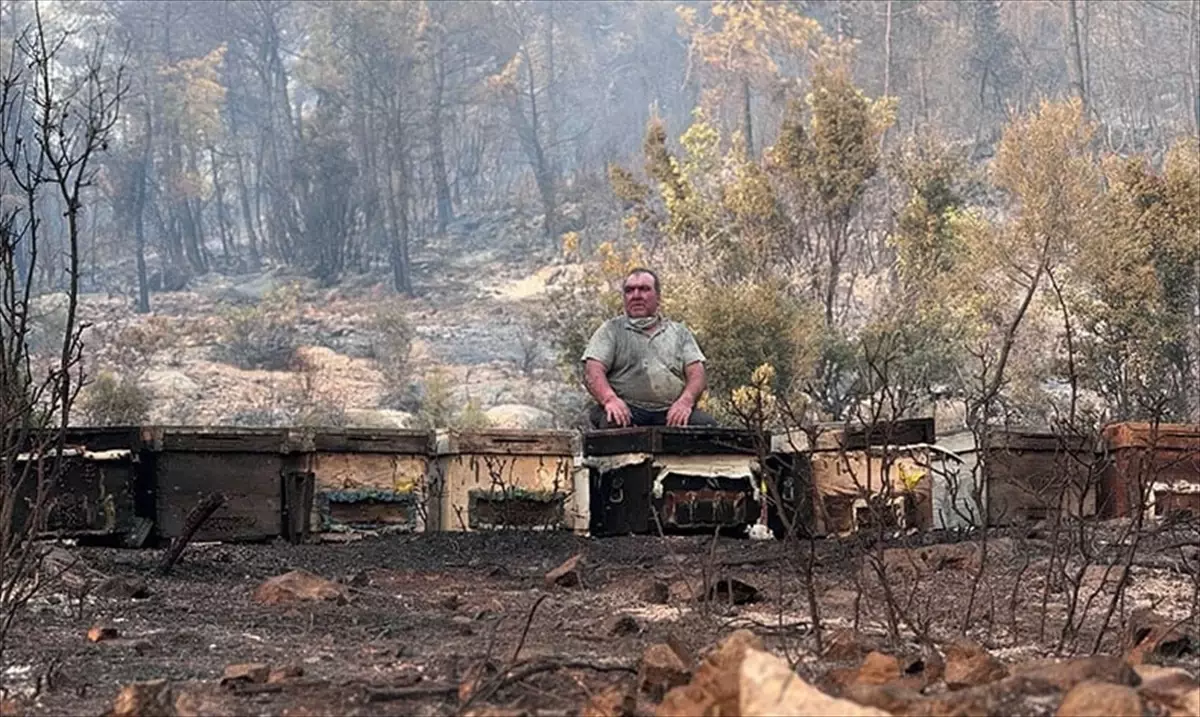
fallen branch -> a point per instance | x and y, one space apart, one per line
528 622
546 664
195 519
407 693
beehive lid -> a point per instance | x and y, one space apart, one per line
689 440
505 442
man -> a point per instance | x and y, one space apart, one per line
643 369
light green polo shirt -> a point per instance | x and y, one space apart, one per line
645 369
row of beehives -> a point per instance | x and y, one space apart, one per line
142 482
138 483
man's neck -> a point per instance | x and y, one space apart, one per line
643 323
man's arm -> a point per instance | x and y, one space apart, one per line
696 382
595 375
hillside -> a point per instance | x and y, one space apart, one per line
473 328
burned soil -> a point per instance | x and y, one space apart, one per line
435 624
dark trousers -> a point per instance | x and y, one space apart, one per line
597 419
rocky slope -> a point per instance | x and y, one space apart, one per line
474 330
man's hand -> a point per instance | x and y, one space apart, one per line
617 412
680 411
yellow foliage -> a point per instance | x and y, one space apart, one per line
193 95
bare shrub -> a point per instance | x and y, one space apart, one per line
439 409
391 346
53 122
263 336
113 401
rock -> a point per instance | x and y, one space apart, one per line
284 673
98 633
246 673
1172 688
169 383
767 687
656 593
682 591
1096 668
714 687
1010 696
200 700
969 665
965 556
622 625
893 699
616 701
566 575
296 586
1101 699
733 591
144 699
360 579
122 588
844 645
1151 638
878 669
660 671
516 415
377 418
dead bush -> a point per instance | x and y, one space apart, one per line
438 408
391 337
263 336
113 401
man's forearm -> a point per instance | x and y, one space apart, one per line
696 382
596 380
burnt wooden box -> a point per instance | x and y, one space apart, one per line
98 490
1157 465
368 477
643 480
503 479
247 465
1032 475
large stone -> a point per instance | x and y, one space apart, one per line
616 701
145 699
517 415
878 669
1096 668
1101 699
568 574
661 670
845 645
969 665
298 586
913 563
714 686
246 672
377 418
1175 689
768 687
1154 639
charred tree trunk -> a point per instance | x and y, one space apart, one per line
445 206
139 219
1075 56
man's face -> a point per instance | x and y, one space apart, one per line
641 299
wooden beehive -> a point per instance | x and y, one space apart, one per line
504 479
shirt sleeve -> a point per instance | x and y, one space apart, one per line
601 347
689 350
